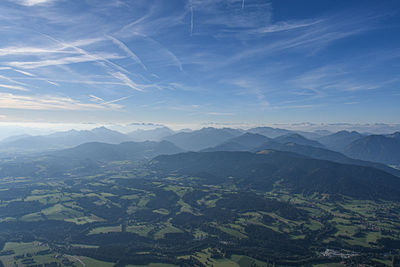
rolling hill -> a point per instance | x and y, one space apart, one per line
297 139
293 172
324 154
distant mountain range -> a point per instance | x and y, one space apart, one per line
377 148
124 151
201 139
61 140
275 132
72 138
297 174
340 140
156 134
251 141
245 142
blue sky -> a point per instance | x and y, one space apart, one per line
199 61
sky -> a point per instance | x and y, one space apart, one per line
194 62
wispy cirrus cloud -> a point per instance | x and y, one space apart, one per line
62 61
232 14
252 88
48 102
13 81
303 36
335 78
33 2
284 26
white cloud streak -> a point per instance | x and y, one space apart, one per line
191 18
62 61
118 100
96 99
14 87
285 26
33 2
25 73
11 80
46 102
14 50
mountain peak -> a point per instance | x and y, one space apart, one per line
101 128
297 139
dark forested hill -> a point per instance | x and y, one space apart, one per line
293 172
323 154
297 139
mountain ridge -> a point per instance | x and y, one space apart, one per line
296 173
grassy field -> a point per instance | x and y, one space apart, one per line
167 228
235 261
27 252
329 265
106 229
89 262
30 252
232 232
140 229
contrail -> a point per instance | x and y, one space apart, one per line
127 50
96 98
24 72
126 80
174 58
84 52
117 100
243 4
191 19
